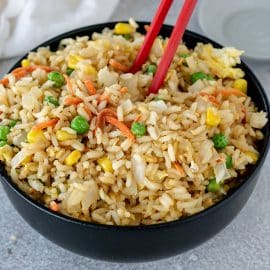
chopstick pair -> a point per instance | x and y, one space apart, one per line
173 43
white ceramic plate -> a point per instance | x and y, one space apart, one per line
244 24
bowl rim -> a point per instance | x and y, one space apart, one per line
165 225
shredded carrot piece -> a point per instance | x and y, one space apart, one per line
116 65
211 98
49 123
123 128
103 97
123 90
88 111
22 71
102 114
73 101
69 85
31 68
230 91
4 81
179 168
146 27
90 87
54 206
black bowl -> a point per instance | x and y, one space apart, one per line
141 243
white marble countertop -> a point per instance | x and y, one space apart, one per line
244 244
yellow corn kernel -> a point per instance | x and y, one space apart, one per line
26 160
6 153
212 117
25 63
123 28
253 155
32 166
73 60
73 157
89 70
240 84
35 136
105 164
62 135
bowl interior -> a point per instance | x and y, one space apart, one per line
255 91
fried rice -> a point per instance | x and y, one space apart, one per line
116 177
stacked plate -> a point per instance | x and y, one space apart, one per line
244 24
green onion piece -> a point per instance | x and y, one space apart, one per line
52 100
184 55
69 70
213 186
12 123
229 162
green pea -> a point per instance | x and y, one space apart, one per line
12 123
2 143
151 69
57 78
138 129
213 186
80 124
198 76
52 100
4 130
220 141
184 55
229 162
69 70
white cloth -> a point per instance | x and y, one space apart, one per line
26 23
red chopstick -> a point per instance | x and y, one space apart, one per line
151 35
173 43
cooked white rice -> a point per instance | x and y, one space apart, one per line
160 176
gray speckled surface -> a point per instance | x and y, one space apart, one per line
244 244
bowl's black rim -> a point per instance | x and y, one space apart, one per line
165 225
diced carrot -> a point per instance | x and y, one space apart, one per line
121 126
103 97
73 101
90 87
146 27
88 111
54 206
116 65
43 125
69 85
123 90
180 169
4 81
226 92
102 114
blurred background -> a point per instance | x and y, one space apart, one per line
245 243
